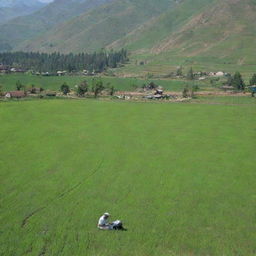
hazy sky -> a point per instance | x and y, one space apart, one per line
46 1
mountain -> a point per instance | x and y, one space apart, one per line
161 32
214 28
14 8
98 28
27 27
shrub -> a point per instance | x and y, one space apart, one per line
65 89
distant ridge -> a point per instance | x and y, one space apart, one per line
10 9
209 29
28 27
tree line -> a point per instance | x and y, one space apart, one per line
83 88
44 62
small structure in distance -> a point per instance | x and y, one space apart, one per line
15 94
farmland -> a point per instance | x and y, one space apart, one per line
180 176
54 82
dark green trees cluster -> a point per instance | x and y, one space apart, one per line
253 80
236 81
65 89
44 62
97 88
84 88
190 74
19 86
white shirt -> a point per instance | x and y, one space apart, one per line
102 221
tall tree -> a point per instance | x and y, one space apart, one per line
19 85
253 80
65 89
179 71
82 88
97 87
238 81
190 74
111 90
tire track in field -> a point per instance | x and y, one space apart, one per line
63 194
25 220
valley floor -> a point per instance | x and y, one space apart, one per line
180 176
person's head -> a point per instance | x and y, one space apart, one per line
106 215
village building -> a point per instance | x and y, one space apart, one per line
4 69
15 94
220 73
61 73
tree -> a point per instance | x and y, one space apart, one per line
152 86
253 80
185 93
1 90
53 62
82 88
238 82
32 89
97 88
19 85
190 74
65 89
179 71
112 90
230 80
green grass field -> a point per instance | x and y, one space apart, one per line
180 176
8 82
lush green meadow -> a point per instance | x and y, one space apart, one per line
8 82
180 176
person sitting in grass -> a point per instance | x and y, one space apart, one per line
103 223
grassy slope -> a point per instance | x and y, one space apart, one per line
98 28
210 35
8 13
180 176
219 35
147 36
18 30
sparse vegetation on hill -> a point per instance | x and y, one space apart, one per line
212 33
21 29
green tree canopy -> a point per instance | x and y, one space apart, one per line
82 88
19 85
97 87
65 89
253 80
179 71
238 81
190 74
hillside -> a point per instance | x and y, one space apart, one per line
217 28
165 33
15 8
219 34
195 30
24 28
98 28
